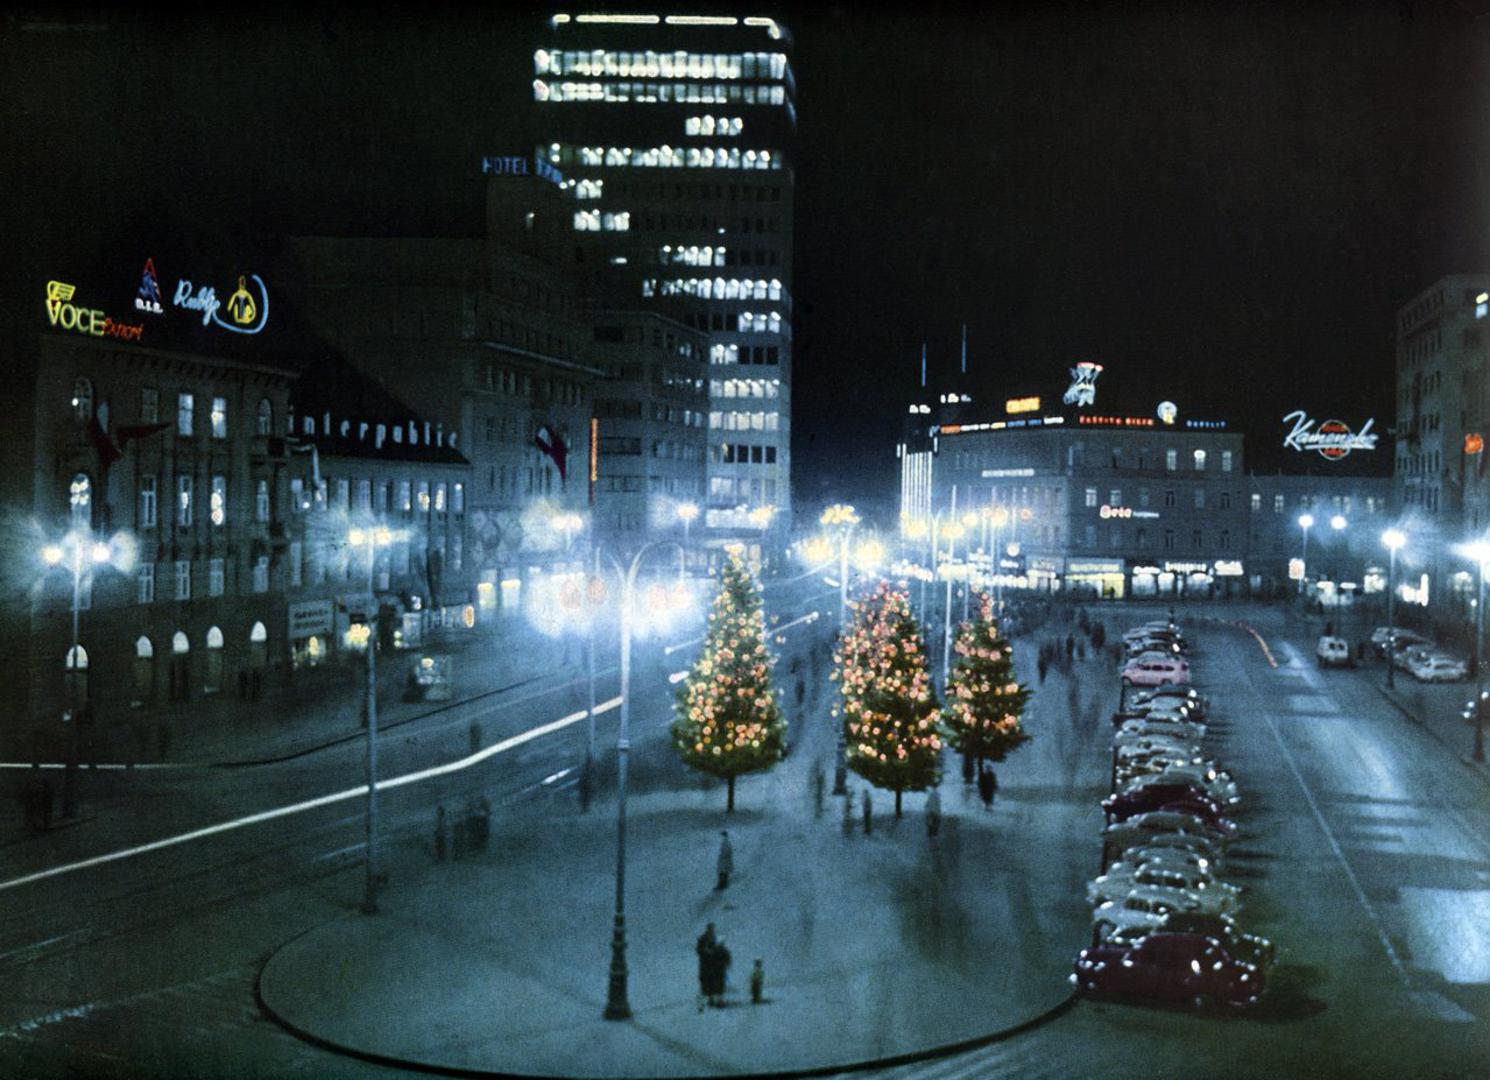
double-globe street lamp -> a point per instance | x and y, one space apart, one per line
368 540
843 518
1393 539
1306 522
616 1005
80 552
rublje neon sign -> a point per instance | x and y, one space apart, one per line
248 314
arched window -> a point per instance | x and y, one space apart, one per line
82 399
77 659
80 501
76 676
212 677
265 419
144 671
258 633
179 645
258 646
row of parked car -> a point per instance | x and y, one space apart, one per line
1406 650
1164 920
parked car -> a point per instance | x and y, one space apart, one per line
1155 756
1132 730
1150 670
1146 797
1332 652
1141 828
1158 853
1404 657
1217 783
1142 905
1154 643
1172 967
1192 843
1401 638
1437 667
1253 948
1217 897
1193 700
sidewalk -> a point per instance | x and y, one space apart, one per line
873 946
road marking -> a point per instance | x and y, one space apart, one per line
510 743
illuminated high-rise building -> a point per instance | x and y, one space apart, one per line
673 133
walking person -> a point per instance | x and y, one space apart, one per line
867 812
726 861
758 982
933 812
848 812
1070 647
1043 665
988 785
818 782
442 834
704 947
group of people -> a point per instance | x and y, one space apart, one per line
713 971
471 832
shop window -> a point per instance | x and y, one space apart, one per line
185 415
258 646
144 671
212 673
219 418
264 418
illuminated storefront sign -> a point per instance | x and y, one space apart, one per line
1168 412
1117 421
1332 438
247 312
1295 569
1114 511
997 474
63 313
147 299
1022 405
1187 568
1228 568
1083 388
1474 443
1096 566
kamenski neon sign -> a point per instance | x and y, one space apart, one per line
1332 438
248 314
61 311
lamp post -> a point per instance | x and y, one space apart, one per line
844 518
80 552
616 1005
1306 522
953 531
369 540
1393 539
1479 551
999 517
687 512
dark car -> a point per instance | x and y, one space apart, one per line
1253 948
1140 800
1170 967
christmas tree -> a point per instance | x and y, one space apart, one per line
984 700
727 718
888 708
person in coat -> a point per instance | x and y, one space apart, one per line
726 861
988 785
933 812
704 947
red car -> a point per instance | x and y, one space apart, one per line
1148 797
1170 967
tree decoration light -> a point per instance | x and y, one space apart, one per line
984 699
888 708
726 719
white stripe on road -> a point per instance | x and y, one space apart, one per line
312 804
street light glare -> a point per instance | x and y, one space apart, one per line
357 537
101 553
1338 522
1476 550
688 511
51 554
1393 538
1306 521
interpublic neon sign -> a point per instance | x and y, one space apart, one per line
62 312
1332 438
248 313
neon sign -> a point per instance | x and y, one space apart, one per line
1474 443
1083 388
1117 421
61 311
248 314
1332 438
1022 404
1114 512
147 299
515 165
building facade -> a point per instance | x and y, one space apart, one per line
674 136
1342 557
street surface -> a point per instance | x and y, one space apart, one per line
1363 849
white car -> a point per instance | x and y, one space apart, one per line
1215 897
1152 669
1217 783
1135 760
1141 828
1167 856
1190 843
1118 877
1436 667
1332 652
1143 905
1188 697
1133 730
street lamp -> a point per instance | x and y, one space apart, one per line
1479 551
687 512
79 551
1306 522
953 532
1393 539
616 1005
845 519
369 540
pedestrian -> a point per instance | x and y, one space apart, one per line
1081 650
848 812
717 970
988 785
867 813
475 736
758 981
933 812
726 861
1070 647
704 947
801 691
442 834
818 783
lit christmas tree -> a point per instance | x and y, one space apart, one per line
727 718
984 700
888 708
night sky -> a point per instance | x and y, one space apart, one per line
1223 204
